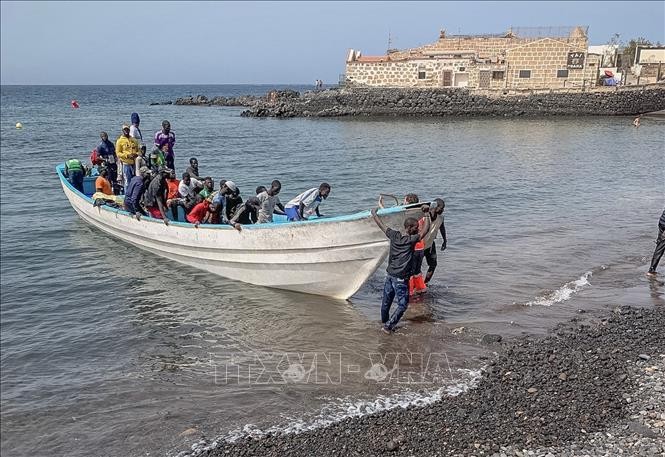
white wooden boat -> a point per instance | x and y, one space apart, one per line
328 256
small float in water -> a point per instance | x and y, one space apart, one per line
331 256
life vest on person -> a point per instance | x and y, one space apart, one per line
74 165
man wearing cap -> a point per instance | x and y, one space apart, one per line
226 190
127 149
165 139
134 192
134 130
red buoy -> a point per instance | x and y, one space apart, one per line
75 104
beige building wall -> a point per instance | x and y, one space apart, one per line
480 63
543 59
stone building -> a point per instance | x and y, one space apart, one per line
538 58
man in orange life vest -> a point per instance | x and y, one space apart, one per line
426 248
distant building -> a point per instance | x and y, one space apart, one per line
649 63
524 58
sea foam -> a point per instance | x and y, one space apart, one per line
563 293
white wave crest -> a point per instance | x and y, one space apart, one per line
563 293
343 408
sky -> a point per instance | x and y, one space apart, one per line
264 42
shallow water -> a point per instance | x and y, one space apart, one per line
107 350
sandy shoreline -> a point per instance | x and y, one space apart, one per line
591 388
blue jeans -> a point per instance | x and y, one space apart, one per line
391 288
76 179
128 172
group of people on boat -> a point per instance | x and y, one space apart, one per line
147 184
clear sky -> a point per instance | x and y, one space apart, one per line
264 42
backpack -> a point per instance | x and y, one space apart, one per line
95 158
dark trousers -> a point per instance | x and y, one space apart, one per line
76 179
430 257
394 287
660 249
417 260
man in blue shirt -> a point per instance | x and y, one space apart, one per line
135 191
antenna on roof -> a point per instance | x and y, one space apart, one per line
390 40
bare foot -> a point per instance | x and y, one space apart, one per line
652 274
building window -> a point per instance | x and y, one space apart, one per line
421 75
462 68
562 73
497 75
525 74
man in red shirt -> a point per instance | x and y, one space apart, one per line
199 214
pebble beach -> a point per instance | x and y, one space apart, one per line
593 387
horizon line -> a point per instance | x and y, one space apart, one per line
166 84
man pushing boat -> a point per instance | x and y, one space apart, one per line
400 266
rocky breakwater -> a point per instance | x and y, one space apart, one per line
202 100
363 101
594 387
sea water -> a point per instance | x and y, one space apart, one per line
109 350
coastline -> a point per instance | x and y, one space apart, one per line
593 386
358 101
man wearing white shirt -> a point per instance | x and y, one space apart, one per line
306 204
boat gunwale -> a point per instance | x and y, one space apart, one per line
344 218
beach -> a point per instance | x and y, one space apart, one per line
593 387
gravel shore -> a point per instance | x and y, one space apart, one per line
595 388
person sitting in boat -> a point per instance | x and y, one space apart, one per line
154 197
400 263
189 187
172 195
200 214
134 192
165 139
104 190
269 200
260 189
233 202
226 190
102 183
193 169
208 187
127 149
247 213
307 203
75 172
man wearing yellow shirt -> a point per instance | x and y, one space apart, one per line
127 149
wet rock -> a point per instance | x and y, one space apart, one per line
491 338
644 356
188 432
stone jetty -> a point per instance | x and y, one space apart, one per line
375 101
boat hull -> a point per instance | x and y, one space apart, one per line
332 257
